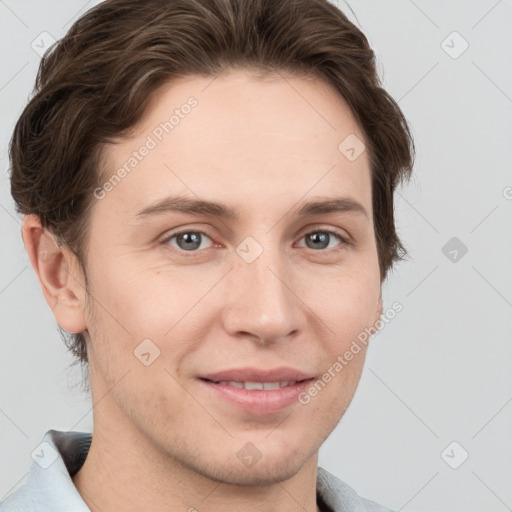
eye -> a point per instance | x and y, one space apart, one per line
321 239
191 241
187 241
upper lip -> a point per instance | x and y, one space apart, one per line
258 375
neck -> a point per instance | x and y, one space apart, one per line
125 471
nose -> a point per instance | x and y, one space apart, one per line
262 301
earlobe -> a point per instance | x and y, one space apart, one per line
58 273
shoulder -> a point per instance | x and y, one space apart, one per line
341 497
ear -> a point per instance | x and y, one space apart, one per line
59 274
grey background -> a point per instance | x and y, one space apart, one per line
441 371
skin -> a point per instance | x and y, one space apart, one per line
262 146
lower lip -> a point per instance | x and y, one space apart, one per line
258 401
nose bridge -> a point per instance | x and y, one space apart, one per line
263 304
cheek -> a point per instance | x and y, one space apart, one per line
137 305
145 302
348 304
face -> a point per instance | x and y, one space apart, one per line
180 295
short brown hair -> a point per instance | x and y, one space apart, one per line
93 86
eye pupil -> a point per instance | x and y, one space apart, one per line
189 238
319 236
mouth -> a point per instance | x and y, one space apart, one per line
254 376
257 398
256 386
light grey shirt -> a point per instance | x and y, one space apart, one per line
49 488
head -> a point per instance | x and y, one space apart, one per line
254 106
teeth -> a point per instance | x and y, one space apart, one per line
258 385
232 383
253 385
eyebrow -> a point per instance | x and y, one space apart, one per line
214 209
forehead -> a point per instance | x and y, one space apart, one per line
237 138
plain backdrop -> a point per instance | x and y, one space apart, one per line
437 384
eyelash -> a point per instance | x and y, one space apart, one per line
343 239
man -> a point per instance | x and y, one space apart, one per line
207 190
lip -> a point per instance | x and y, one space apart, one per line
251 374
257 402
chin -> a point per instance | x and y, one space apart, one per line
264 472
277 462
